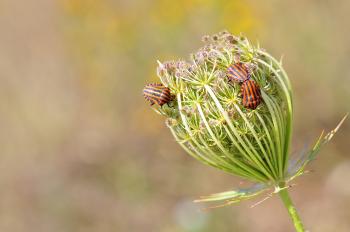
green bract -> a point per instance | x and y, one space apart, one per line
208 120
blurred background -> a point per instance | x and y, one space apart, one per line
82 151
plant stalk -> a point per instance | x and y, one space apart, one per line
287 201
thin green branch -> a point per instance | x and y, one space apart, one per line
283 193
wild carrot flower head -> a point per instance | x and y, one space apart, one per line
232 108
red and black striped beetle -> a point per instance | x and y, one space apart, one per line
251 94
238 72
157 93
250 91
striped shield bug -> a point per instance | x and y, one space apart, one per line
251 94
157 93
238 72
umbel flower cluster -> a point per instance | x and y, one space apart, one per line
224 122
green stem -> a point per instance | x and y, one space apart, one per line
291 209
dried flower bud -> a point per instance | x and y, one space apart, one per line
170 122
241 127
206 38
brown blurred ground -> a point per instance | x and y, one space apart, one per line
82 151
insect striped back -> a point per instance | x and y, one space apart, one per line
238 72
251 94
157 93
